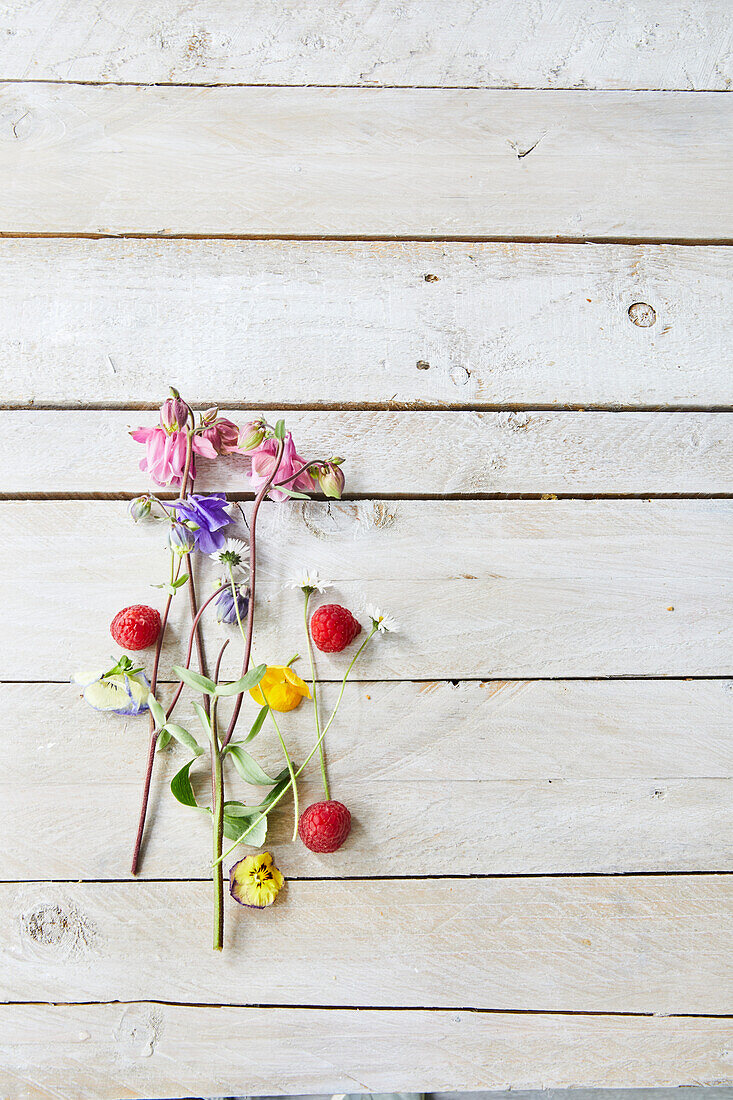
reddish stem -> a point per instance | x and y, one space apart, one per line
189 651
154 682
286 480
251 608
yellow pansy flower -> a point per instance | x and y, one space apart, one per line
255 881
282 688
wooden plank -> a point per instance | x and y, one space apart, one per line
255 160
551 762
325 322
500 589
694 1092
598 44
660 944
399 452
103 1052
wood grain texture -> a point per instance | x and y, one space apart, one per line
399 453
480 778
643 944
248 160
499 589
104 1052
684 44
339 323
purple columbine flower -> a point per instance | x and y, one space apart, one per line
225 612
210 515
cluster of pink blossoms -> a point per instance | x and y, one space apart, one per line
166 452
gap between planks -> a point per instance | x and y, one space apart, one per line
375 238
375 1008
242 498
456 680
331 879
361 406
360 87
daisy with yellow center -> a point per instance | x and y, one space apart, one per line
255 881
281 688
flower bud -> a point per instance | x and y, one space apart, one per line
225 609
251 435
210 415
173 413
181 539
331 480
139 508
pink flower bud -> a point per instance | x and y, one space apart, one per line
173 413
251 435
331 480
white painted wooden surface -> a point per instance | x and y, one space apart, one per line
139 1049
641 944
572 778
597 44
481 588
341 323
335 161
420 453
554 762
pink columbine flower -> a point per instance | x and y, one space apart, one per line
165 454
263 461
174 413
220 438
165 446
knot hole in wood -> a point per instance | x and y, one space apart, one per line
642 314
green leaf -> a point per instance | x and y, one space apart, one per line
238 809
195 680
280 429
292 493
182 789
235 826
183 737
124 665
257 724
283 780
248 768
181 580
156 710
167 588
251 680
204 720
163 739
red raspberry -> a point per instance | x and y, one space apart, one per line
333 628
135 627
324 826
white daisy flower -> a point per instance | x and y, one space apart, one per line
385 624
233 555
310 580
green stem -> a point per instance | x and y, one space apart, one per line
308 758
218 830
315 696
293 783
360 650
272 805
236 606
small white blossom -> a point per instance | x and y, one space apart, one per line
385 624
233 555
311 579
